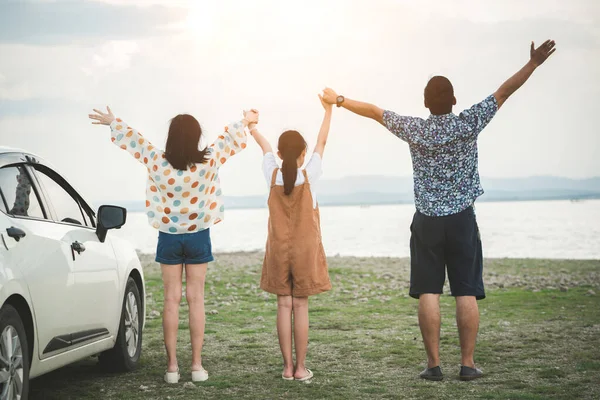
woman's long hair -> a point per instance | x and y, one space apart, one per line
182 143
291 145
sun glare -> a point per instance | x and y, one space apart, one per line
202 19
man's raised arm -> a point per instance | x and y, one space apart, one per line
357 107
537 58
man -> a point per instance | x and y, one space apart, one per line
444 232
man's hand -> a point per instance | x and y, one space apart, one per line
329 96
541 54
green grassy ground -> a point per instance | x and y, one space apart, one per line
539 338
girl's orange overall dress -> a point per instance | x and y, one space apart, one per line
295 262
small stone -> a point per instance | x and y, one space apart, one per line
143 387
536 290
260 318
363 300
189 385
226 303
154 314
591 292
564 288
213 312
501 285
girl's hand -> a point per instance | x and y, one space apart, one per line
327 106
102 118
251 117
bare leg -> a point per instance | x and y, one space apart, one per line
195 275
171 276
429 322
284 331
467 319
300 306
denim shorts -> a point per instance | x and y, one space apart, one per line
184 248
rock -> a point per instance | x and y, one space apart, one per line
504 323
213 312
143 387
564 288
260 318
154 314
226 303
189 385
501 285
591 293
536 290
363 300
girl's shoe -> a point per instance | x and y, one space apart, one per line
307 377
199 376
287 378
172 377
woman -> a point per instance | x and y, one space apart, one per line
183 200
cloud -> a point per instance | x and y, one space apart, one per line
70 22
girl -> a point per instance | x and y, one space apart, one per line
183 200
295 266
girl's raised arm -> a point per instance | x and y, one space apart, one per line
260 139
128 138
324 131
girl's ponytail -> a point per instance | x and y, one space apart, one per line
291 145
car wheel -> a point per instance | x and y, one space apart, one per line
128 347
14 356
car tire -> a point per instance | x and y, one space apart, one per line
15 349
125 355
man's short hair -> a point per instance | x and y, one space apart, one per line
439 95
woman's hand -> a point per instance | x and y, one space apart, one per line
327 106
103 119
250 117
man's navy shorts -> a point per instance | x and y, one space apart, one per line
184 248
451 242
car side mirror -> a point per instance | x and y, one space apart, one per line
110 217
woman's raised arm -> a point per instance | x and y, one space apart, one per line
128 138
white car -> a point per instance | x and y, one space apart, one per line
67 290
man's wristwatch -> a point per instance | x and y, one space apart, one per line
340 99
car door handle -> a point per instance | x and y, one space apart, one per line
77 247
15 233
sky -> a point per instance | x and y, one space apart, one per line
151 60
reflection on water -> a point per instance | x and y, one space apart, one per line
537 229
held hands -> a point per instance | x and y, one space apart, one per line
102 118
541 54
326 106
250 117
329 96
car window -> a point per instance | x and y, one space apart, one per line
2 204
66 207
19 193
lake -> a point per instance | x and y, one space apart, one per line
535 229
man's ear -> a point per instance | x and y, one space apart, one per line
425 102
453 100
303 152
279 154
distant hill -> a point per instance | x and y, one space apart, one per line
377 189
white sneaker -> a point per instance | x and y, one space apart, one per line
199 376
172 377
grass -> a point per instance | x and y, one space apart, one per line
539 338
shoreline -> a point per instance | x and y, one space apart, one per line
498 273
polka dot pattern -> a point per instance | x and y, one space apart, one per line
181 201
